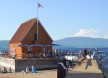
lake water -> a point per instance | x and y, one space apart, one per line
78 49
3 49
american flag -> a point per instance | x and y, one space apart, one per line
39 5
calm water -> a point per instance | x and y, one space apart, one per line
3 49
78 49
102 54
69 49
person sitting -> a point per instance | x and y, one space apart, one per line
4 70
9 70
33 69
27 70
43 55
23 71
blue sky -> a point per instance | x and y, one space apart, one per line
61 18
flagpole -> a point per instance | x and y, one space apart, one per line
37 21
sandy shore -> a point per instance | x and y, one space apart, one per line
79 71
39 74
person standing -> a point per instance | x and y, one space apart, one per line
85 52
95 52
90 53
13 55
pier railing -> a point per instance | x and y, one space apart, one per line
104 68
103 64
52 54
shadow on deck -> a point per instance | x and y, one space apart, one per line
84 75
87 69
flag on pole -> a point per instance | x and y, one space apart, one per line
39 5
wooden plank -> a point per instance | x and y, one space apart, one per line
80 71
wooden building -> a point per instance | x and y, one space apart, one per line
27 35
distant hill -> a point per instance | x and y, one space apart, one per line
4 44
83 42
72 42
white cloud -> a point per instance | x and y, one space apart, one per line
106 36
88 33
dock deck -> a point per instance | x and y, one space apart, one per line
87 69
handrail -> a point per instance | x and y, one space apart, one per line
98 57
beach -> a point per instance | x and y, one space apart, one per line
39 74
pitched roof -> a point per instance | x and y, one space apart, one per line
23 30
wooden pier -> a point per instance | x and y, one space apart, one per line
87 69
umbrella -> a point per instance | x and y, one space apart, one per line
52 45
36 45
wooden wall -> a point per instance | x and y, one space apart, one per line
29 38
17 49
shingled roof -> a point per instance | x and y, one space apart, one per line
22 31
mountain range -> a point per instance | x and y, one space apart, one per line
72 42
83 42
4 44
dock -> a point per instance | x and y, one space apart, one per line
87 69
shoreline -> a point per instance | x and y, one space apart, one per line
40 74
